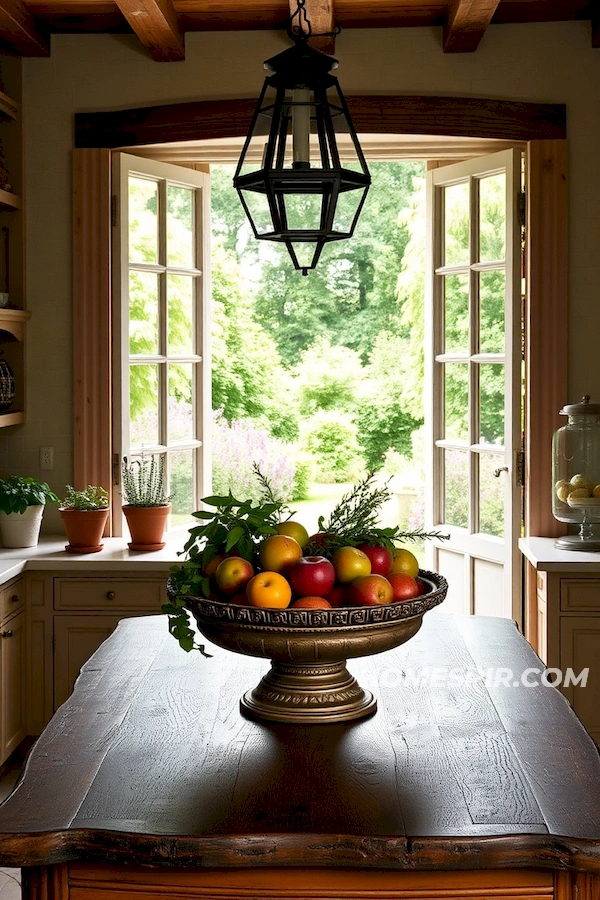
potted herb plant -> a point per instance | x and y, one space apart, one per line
22 502
84 514
146 506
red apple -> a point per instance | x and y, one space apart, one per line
404 587
423 588
339 595
318 540
381 558
311 603
311 576
371 590
233 574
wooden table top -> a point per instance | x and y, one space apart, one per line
150 762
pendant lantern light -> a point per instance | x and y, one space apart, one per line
290 177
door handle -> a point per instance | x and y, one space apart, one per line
6 634
498 471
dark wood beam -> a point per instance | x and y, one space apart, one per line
320 15
155 23
510 120
595 10
466 23
20 31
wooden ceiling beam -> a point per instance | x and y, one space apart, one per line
595 10
466 23
322 21
21 31
156 25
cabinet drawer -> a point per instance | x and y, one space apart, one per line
109 593
12 598
580 593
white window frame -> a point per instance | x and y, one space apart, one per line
163 174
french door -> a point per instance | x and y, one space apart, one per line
474 381
161 331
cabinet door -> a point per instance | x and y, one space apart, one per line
12 668
580 649
75 639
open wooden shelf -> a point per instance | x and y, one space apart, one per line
11 417
8 107
13 321
12 201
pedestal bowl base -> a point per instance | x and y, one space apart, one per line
309 694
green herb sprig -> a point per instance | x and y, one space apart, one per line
354 521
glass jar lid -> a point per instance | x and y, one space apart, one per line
585 408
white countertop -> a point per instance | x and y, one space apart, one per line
115 556
541 553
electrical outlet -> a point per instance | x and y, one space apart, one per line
46 457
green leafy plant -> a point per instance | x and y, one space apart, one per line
235 525
143 480
17 493
90 498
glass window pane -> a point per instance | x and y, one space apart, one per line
143 405
181 423
491 299
143 313
491 495
491 403
180 306
456 488
456 314
456 401
143 220
492 217
456 224
181 485
180 226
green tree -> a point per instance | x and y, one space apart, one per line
352 294
327 378
248 380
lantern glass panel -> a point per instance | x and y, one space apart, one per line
343 135
258 208
303 211
346 210
305 252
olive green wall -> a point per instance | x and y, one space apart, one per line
543 62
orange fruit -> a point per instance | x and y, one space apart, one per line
294 530
404 563
278 552
269 590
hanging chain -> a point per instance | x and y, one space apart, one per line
301 29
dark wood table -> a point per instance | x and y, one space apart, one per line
149 783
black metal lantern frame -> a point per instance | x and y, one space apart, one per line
301 194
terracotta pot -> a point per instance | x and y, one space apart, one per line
21 529
146 526
84 529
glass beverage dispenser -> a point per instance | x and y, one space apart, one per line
576 474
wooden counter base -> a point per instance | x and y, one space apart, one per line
80 881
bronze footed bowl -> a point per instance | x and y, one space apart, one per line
308 681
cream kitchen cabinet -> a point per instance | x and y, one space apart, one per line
70 615
563 624
13 675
